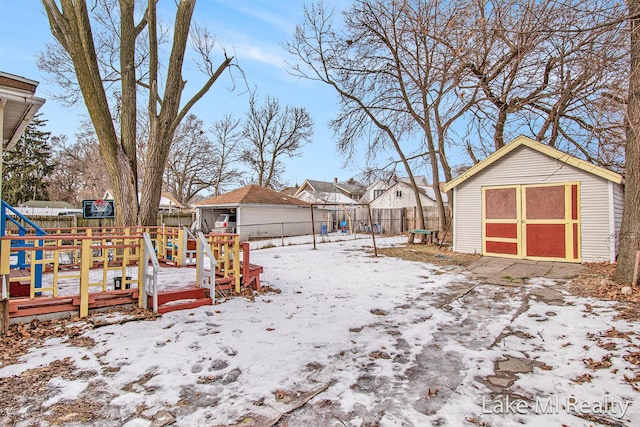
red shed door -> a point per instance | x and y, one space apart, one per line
532 221
551 221
501 221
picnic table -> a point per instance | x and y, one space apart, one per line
426 236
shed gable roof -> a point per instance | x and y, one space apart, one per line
252 195
541 148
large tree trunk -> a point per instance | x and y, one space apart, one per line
72 29
630 228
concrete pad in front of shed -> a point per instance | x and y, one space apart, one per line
509 271
565 270
489 266
492 262
521 270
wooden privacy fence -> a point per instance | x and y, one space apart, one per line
177 219
399 220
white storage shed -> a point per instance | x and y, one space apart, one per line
529 200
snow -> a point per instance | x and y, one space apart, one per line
391 338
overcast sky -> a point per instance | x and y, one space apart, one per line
253 31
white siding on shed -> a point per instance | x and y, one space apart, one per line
527 166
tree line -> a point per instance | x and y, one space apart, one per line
203 161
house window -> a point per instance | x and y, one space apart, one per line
377 193
399 194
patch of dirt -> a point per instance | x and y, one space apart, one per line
431 254
251 293
28 389
596 283
21 337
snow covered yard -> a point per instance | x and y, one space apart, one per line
350 340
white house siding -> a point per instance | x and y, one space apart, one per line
261 221
378 185
388 200
526 166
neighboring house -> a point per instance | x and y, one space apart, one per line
379 187
340 200
528 200
260 213
167 204
401 195
313 191
18 105
47 208
394 207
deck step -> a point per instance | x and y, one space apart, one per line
181 299
183 304
178 294
21 307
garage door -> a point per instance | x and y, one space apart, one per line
532 221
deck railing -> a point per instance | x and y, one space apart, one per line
114 251
150 280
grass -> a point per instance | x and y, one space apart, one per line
429 253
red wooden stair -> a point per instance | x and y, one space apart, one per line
181 299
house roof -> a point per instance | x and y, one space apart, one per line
320 197
47 204
252 195
322 186
521 141
21 105
421 180
167 200
329 187
426 191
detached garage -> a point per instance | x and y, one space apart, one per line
528 200
259 212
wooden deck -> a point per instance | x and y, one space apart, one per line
24 307
170 300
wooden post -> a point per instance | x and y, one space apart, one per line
200 261
5 249
4 316
236 261
180 248
373 234
85 266
313 228
142 269
5 269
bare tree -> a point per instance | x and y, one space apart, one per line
630 227
550 69
80 172
115 119
396 69
196 163
227 134
271 133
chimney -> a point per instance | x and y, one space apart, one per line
335 180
